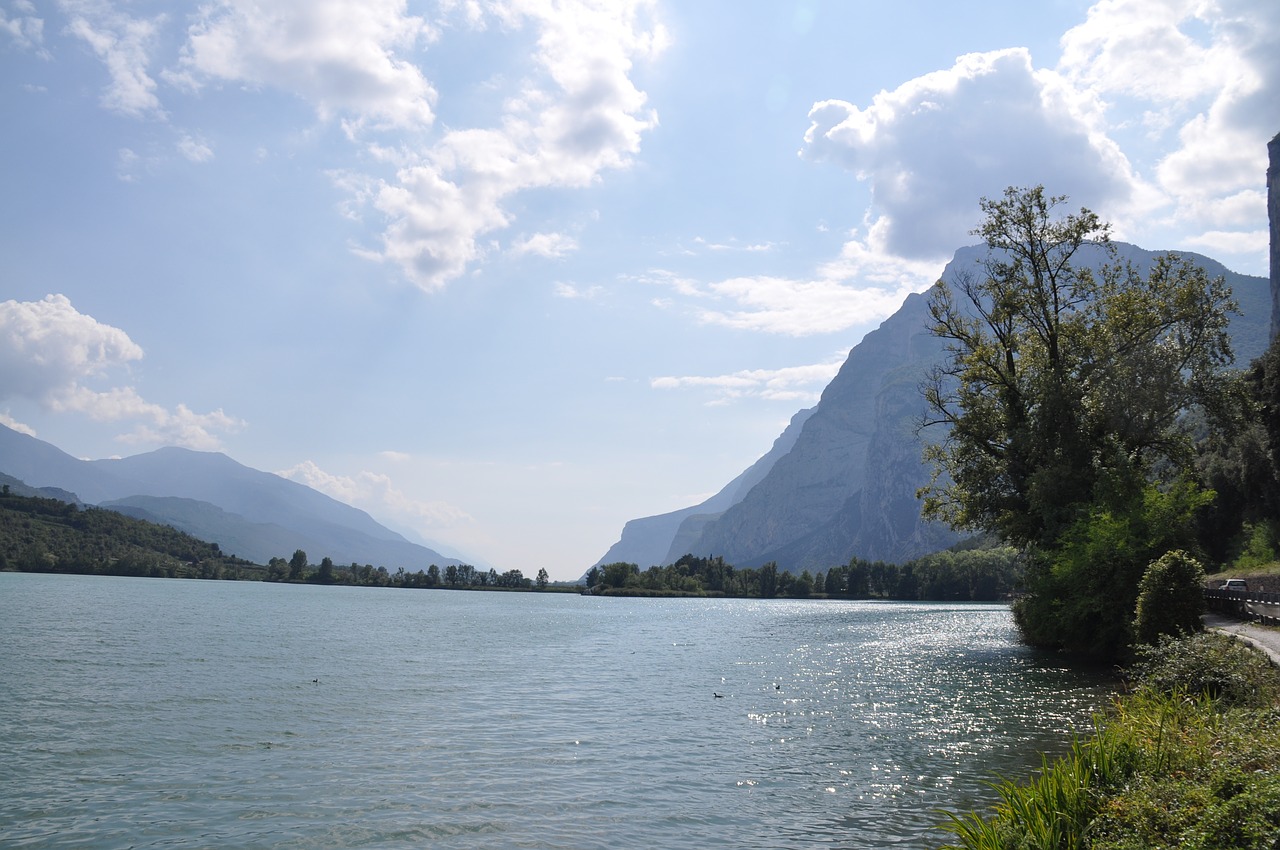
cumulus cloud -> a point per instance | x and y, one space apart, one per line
377 494
578 114
347 59
571 111
51 353
123 44
930 148
1208 72
1202 75
792 383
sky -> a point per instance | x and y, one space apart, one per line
508 273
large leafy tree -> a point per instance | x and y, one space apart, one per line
1066 382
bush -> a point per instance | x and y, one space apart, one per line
1170 598
1189 759
1223 668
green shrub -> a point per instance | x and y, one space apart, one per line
1189 759
1170 598
1214 664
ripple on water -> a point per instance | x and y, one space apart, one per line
212 714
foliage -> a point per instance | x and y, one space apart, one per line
1061 380
1170 598
1084 591
1063 399
1242 464
1227 671
49 535
1165 769
980 574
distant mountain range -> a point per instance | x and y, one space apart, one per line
249 513
841 480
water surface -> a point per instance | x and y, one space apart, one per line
157 713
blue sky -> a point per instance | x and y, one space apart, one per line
508 274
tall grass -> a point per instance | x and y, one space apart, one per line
1167 767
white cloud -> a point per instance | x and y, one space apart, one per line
802 384
732 245
1232 241
550 245
1209 71
25 28
800 307
345 58
50 353
195 150
376 493
46 346
936 144
568 290
123 44
577 115
8 421
863 286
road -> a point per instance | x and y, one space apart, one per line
1261 637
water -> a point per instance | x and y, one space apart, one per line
155 713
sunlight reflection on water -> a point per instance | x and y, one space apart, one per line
142 713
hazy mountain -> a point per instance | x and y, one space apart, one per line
21 488
247 512
651 540
847 485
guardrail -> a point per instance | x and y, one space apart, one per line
1245 604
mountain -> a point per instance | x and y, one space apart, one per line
20 488
846 487
651 540
253 514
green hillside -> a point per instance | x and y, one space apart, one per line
39 534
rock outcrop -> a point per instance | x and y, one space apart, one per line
847 487
649 541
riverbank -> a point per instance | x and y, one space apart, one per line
1188 758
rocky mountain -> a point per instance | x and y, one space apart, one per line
253 514
650 540
847 485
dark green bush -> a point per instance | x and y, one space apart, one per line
1170 597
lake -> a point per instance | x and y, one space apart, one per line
158 713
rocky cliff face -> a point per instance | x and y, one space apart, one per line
648 541
847 486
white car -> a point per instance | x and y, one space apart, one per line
1234 584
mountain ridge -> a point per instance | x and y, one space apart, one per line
261 510
847 486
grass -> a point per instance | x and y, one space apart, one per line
1189 758
1271 568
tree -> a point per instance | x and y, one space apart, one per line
325 574
298 566
1170 598
543 578
1064 387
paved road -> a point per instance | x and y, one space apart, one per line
1261 637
